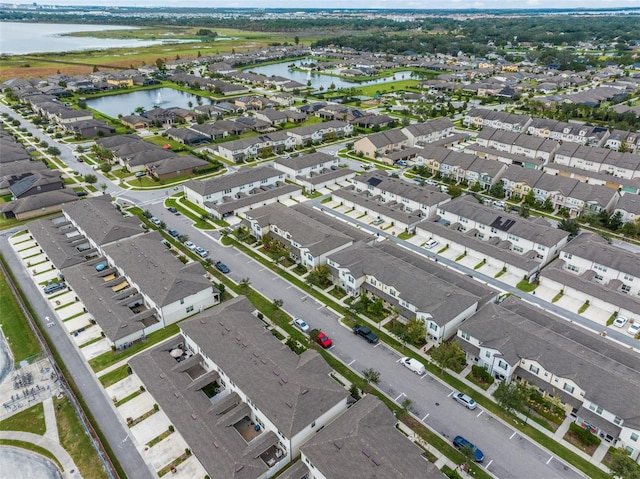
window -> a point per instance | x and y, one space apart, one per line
567 387
634 437
189 309
518 249
534 369
487 354
502 365
573 268
182 301
465 336
628 277
617 420
599 267
598 277
313 424
433 326
625 288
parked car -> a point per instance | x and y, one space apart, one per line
53 287
223 268
173 232
101 266
377 221
459 442
140 174
431 243
634 328
465 400
620 321
190 245
366 333
413 364
431 182
323 340
81 193
200 251
499 204
173 210
155 221
301 324
80 160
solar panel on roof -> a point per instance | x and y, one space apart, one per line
374 181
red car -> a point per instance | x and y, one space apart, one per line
324 340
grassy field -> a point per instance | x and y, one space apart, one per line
21 339
29 420
74 440
83 62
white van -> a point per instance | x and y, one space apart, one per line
413 364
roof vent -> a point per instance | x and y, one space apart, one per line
288 404
375 461
366 453
337 444
305 391
263 361
161 375
239 467
277 373
176 395
194 417
216 445
284 380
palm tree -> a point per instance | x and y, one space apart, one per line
103 187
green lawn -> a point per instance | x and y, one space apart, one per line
21 339
114 376
74 440
29 420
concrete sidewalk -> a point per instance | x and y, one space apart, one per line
70 471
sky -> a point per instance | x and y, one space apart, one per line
362 4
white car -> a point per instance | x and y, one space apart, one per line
431 243
620 321
431 183
301 324
634 328
192 246
155 221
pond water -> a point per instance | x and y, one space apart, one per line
127 103
318 80
19 38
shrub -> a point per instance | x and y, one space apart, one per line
585 436
482 374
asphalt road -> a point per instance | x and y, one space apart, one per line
508 454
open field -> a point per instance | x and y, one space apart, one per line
84 62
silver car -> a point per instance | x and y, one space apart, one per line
465 400
301 324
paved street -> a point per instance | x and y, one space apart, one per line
508 455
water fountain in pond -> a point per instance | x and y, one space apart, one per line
158 99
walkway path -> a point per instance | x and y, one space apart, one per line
70 471
50 420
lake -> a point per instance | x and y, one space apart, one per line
318 80
17 38
127 103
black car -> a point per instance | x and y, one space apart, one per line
223 268
172 210
81 193
366 333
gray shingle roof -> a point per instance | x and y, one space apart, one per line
101 221
530 229
158 273
365 443
597 365
244 176
428 293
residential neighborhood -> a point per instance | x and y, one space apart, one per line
306 259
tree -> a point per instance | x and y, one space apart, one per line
530 198
245 282
103 187
615 221
277 303
511 396
448 355
497 190
296 40
371 376
570 225
406 405
629 229
105 167
415 331
162 225
469 454
91 179
53 150
622 466
476 187
454 190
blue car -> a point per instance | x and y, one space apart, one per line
459 442
173 232
101 266
223 268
